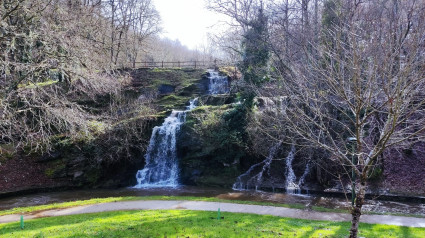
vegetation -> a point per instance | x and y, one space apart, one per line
256 55
341 80
58 66
213 143
55 75
180 223
344 69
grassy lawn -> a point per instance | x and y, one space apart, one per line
183 223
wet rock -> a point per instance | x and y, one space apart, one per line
217 100
78 174
55 155
164 89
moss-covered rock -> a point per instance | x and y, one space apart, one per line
209 148
217 100
110 158
171 102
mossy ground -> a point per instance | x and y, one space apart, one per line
185 83
180 78
172 101
39 84
183 223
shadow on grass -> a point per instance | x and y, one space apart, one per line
160 223
370 230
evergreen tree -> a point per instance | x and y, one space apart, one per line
256 55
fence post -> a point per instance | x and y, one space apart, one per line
162 64
195 64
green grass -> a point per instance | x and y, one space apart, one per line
209 108
22 210
183 223
31 85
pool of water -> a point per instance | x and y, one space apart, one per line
305 200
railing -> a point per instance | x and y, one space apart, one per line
177 64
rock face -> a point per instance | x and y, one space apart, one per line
97 163
403 170
26 174
209 148
166 89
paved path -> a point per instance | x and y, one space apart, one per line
224 207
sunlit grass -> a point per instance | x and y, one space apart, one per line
183 223
21 210
39 84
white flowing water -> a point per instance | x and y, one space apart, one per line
218 84
161 162
302 178
291 186
250 179
161 168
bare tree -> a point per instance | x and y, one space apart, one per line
52 56
146 23
357 74
131 22
366 85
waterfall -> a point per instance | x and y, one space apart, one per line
247 180
253 177
306 171
291 186
161 167
218 84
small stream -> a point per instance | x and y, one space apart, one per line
259 196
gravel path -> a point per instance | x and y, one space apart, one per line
224 207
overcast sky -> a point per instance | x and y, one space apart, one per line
186 20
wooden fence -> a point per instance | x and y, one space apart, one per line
177 64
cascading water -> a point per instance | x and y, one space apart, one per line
218 84
306 171
253 178
161 168
291 186
247 180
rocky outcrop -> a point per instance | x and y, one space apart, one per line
210 146
26 173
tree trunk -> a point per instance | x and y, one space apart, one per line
118 47
356 211
112 29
